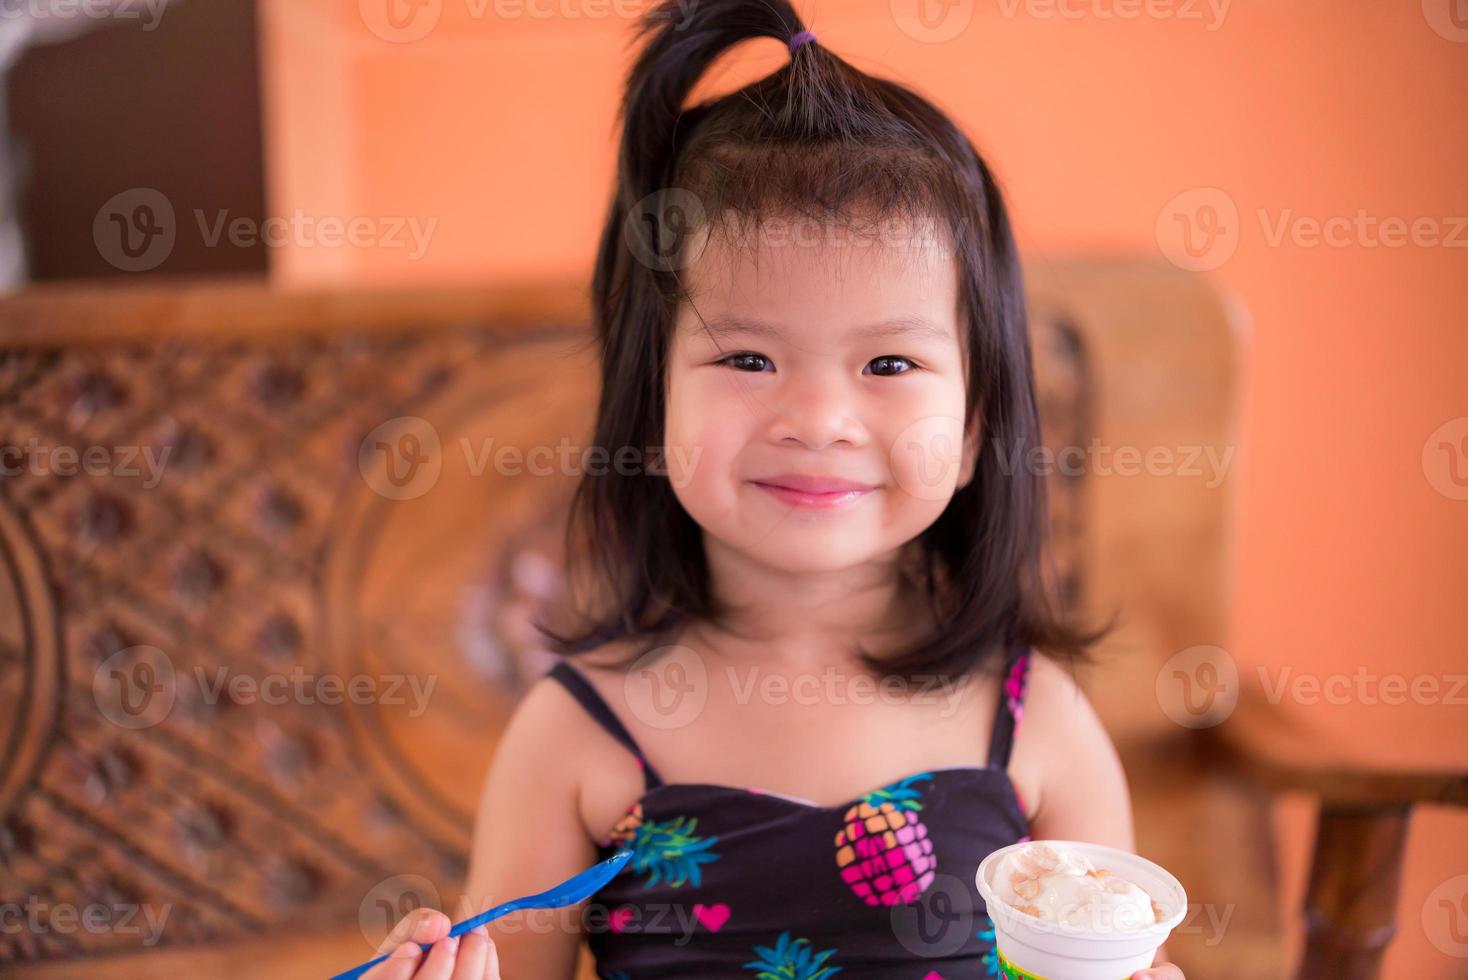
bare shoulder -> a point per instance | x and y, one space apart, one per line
548 720
531 750
1058 717
578 755
1052 687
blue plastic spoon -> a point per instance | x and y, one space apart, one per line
569 892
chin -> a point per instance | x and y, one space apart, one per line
791 546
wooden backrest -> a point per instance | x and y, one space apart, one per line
253 692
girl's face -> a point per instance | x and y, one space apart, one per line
821 425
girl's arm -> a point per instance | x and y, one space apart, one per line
1082 789
528 835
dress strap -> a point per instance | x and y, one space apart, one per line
1011 708
596 706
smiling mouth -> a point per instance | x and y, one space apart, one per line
818 498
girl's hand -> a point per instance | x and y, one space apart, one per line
471 956
1160 968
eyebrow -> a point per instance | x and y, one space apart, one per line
919 327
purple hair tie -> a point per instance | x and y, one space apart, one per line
799 38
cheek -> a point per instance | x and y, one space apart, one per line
705 431
925 447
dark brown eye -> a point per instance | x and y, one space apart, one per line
746 362
889 365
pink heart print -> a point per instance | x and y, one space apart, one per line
713 917
618 919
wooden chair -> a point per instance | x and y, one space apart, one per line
285 837
1360 840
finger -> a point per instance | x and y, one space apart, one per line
400 931
492 960
399 966
473 954
1163 971
420 926
439 964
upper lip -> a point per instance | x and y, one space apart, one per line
813 484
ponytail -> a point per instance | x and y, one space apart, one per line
684 37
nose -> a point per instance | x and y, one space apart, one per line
816 410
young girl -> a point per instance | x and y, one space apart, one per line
820 614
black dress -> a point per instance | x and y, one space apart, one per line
739 882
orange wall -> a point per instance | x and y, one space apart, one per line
1349 556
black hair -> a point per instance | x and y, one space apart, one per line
815 137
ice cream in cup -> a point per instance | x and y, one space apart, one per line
1069 910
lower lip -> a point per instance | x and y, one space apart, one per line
817 501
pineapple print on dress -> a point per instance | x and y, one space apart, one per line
792 959
669 850
884 852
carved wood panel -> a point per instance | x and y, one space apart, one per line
261 524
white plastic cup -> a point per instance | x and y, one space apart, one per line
1034 949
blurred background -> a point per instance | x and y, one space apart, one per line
262 255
